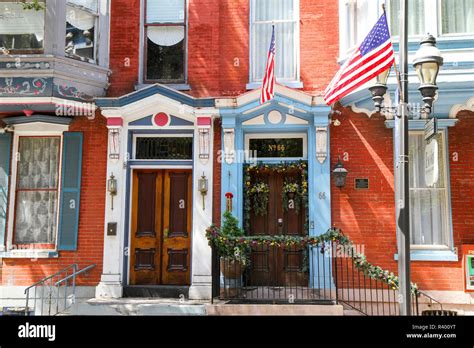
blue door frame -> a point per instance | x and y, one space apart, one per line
319 174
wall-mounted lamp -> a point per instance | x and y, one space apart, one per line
203 185
112 188
339 174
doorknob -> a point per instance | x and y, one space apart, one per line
280 222
165 232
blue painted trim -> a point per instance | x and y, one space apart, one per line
420 124
37 118
126 242
5 162
432 255
71 190
150 91
443 43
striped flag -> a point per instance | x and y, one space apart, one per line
374 56
268 84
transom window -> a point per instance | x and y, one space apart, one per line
165 48
21 30
429 208
81 23
37 185
284 14
276 146
164 148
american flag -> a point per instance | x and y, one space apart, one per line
268 84
374 56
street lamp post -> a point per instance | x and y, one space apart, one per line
427 63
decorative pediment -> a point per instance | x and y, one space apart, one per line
161 120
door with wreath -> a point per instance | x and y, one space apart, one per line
276 205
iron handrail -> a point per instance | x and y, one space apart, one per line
430 298
75 274
74 265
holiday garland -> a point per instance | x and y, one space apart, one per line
245 243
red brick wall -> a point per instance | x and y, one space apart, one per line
367 216
91 217
218 46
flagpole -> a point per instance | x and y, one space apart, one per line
402 184
397 74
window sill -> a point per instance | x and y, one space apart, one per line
29 254
432 255
176 86
289 84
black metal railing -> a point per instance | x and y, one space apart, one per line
275 274
316 274
358 291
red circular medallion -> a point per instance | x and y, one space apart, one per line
161 119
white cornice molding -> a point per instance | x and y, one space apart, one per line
469 106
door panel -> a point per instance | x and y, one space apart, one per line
177 227
161 227
278 266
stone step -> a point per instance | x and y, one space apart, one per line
153 291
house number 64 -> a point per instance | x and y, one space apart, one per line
322 195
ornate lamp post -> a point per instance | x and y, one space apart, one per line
427 63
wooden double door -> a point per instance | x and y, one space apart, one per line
161 227
279 265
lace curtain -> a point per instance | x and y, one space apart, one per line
428 205
416 15
37 190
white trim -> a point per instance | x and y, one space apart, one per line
276 135
448 226
12 190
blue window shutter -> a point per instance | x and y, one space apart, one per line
5 154
70 191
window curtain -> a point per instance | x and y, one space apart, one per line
89 4
457 16
14 20
428 205
264 12
80 19
37 196
166 35
416 17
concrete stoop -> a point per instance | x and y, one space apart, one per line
153 306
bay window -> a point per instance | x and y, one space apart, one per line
37 185
81 24
165 43
284 14
429 206
21 30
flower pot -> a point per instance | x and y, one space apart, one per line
232 277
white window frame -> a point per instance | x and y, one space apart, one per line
448 228
96 31
168 135
142 82
433 24
290 83
250 136
31 130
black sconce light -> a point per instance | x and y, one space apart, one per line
112 188
203 185
339 174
